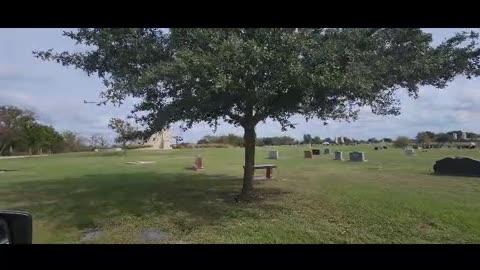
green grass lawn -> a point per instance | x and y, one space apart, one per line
392 198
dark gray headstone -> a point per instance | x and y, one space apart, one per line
457 166
385 147
357 156
315 152
338 155
376 148
326 151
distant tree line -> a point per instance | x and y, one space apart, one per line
234 140
426 137
21 133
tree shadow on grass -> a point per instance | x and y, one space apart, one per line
80 202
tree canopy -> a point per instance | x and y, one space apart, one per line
247 75
401 142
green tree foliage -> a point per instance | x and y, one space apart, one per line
265 141
472 135
72 142
401 142
373 140
424 137
387 140
443 138
13 121
245 76
316 140
307 138
178 139
125 131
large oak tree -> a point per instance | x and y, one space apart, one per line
245 76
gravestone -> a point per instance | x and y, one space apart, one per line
376 148
315 152
457 166
409 152
307 154
198 163
385 147
357 156
273 155
326 151
338 155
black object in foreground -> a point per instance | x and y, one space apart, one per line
15 227
457 166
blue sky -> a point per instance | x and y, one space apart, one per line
56 94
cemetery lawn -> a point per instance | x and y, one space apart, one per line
392 198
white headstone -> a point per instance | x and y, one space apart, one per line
273 155
338 155
409 151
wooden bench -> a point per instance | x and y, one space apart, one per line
267 167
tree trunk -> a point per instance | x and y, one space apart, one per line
3 148
249 138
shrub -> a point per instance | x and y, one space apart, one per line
401 142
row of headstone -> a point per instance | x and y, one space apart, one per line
380 148
354 156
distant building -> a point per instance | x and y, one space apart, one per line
160 140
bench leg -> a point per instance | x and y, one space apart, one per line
269 173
